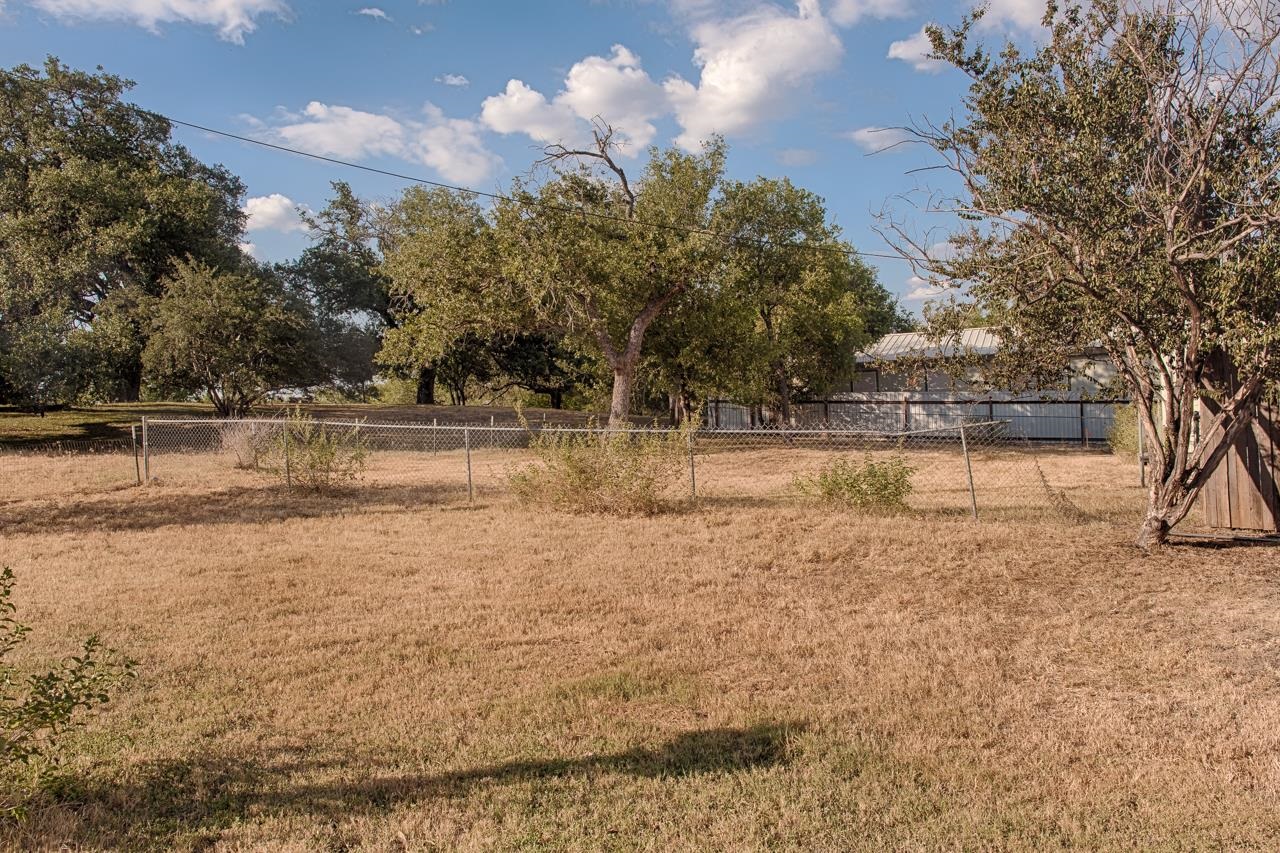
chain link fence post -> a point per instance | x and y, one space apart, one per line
693 471
968 466
288 471
137 464
146 452
466 443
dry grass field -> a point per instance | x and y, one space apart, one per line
389 668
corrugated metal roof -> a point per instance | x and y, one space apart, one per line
976 341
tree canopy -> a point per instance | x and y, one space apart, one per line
96 202
1122 187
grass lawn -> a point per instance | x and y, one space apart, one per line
112 421
391 669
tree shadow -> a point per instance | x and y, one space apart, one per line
151 508
158 801
1218 542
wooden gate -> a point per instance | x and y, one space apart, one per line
1244 492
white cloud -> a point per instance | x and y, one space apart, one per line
453 147
234 19
916 50
520 109
1023 15
846 13
797 156
273 212
453 80
374 12
344 132
614 88
249 249
875 139
752 67
921 288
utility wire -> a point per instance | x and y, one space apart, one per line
729 238
706 232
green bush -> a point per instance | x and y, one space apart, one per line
37 709
310 455
607 472
1122 437
871 485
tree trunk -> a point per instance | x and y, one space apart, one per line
131 382
426 386
1155 530
620 403
557 398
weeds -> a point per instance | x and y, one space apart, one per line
610 472
315 456
872 485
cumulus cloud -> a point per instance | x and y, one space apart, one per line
374 12
875 139
615 88
1024 15
234 19
249 249
618 90
339 131
751 69
453 147
916 50
920 288
846 13
521 109
274 212
453 80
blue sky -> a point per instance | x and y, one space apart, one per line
467 91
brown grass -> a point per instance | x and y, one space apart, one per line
386 668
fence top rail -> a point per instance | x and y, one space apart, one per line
538 428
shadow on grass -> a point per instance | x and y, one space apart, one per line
154 507
193 800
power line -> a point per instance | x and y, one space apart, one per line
501 197
706 232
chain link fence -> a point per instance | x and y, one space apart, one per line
978 468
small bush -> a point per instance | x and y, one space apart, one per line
310 455
249 443
606 472
37 709
1122 437
870 486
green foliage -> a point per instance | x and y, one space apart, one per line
1122 436
609 472
874 485
1119 189
95 204
233 335
314 456
36 710
800 306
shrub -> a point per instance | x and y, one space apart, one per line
311 455
250 443
882 485
602 471
1123 434
37 709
